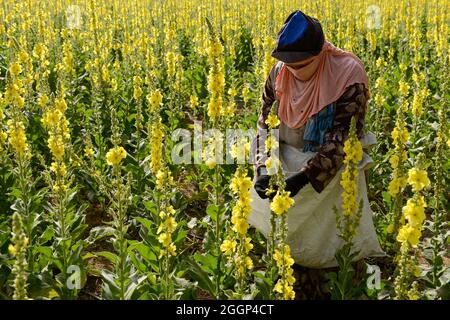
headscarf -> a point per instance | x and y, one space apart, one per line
336 71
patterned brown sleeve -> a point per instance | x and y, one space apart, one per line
323 167
268 98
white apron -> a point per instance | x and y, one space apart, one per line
312 231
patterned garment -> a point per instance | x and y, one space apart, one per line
329 145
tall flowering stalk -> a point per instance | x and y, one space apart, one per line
212 153
118 284
413 213
280 260
164 183
409 235
21 155
400 137
348 218
237 245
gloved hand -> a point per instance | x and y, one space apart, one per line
261 185
296 182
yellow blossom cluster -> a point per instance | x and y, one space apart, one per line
281 202
216 79
284 261
414 210
115 155
168 224
238 245
137 87
17 138
418 101
15 90
418 179
156 135
155 100
353 154
57 125
400 136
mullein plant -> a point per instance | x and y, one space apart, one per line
119 283
167 225
237 245
400 136
413 213
212 154
413 217
279 253
15 135
19 247
164 216
66 220
347 219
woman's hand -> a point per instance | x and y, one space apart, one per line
296 182
261 185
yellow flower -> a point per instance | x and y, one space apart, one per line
12 250
17 137
403 88
240 150
272 121
353 151
240 183
59 168
418 179
248 263
137 92
241 226
15 69
193 100
248 244
215 49
52 117
23 56
228 247
281 203
414 211
61 105
115 156
400 135
171 249
42 100
390 228
214 107
89 152
56 146
396 185
165 239
409 234
169 225
396 159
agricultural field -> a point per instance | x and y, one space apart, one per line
112 116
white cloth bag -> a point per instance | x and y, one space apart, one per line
312 231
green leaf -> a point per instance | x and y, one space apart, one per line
113 258
199 275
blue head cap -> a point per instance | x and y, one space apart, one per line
299 38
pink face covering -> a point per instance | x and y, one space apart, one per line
336 70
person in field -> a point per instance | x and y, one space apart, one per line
316 89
